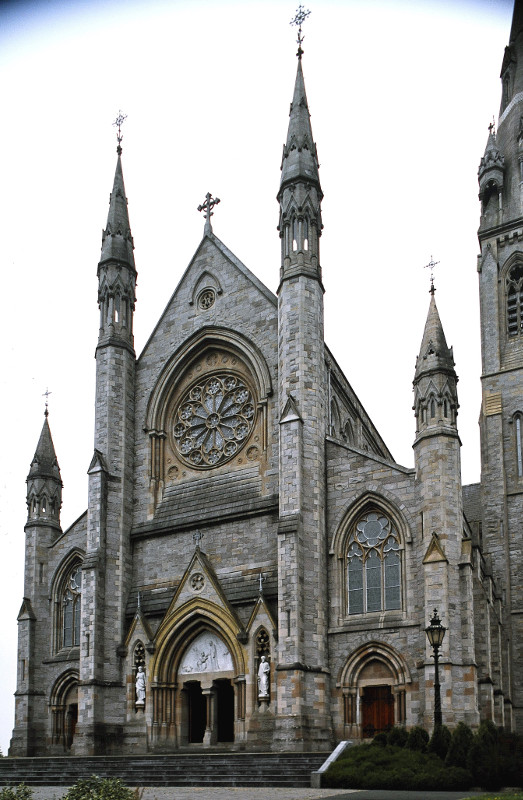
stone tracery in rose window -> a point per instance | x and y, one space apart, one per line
213 420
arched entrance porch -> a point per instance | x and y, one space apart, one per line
64 711
374 689
198 689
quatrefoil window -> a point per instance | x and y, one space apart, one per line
213 420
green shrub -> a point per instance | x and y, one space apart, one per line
459 746
483 757
439 741
397 736
417 739
20 792
378 767
381 739
95 788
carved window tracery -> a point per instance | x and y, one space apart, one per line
70 606
213 420
373 565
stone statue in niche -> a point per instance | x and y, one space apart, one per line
140 687
263 677
208 653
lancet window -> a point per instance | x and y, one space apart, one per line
518 425
515 301
70 607
373 565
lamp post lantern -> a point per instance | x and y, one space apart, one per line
435 633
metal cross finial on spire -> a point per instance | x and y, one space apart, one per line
46 395
492 126
207 206
120 119
431 266
299 18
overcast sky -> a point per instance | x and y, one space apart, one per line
401 96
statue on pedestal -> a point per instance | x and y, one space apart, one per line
263 677
140 687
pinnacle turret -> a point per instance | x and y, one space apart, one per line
44 483
435 379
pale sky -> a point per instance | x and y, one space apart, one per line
401 96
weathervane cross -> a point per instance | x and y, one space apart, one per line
299 18
46 395
207 206
431 266
120 119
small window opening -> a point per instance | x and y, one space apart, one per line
44 506
519 447
294 234
305 234
432 409
445 408
117 308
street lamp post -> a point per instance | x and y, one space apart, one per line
435 632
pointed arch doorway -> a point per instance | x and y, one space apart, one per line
205 674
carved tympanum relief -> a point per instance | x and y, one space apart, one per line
208 653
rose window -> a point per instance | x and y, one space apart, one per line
213 421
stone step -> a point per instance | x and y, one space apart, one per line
225 769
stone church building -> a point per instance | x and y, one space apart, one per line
254 570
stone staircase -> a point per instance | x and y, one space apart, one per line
180 769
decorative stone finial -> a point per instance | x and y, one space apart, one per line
299 18
120 119
207 206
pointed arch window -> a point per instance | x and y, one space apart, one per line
373 565
515 301
71 605
518 425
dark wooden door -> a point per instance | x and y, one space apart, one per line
377 710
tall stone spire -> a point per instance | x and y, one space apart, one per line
44 483
435 379
117 241
116 269
300 192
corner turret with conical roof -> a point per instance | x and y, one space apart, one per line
44 484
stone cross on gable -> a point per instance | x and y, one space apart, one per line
197 537
207 206
261 579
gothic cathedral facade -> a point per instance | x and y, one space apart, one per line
254 570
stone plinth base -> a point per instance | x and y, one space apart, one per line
261 727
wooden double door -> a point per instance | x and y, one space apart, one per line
377 710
